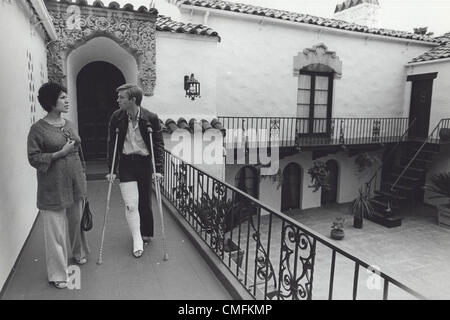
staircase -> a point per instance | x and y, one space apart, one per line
403 177
402 183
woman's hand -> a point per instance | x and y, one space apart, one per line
69 147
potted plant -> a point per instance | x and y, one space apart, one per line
319 174
440 186
361 208
337 229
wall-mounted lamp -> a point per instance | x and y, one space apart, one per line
192 87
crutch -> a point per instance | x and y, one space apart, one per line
108 198
158 195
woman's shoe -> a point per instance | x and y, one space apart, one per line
138 253
59 284
80 261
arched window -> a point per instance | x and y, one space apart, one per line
316 69
247 180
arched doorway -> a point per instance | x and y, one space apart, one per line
330 196
291 187
247 180
96 100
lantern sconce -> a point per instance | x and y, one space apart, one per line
192 87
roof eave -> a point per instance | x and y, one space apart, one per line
418 63
45 17
220 12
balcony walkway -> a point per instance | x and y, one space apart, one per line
185 276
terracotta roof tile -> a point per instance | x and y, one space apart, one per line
352 3
302 18
170 125
164 23
440 52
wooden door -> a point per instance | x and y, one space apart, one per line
420 108
330 196
291 187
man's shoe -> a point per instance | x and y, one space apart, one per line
146 240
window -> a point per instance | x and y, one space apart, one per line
314 101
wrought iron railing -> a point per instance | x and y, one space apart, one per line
371 185
273 256
304 132
439 134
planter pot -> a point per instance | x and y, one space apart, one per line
357 222
337 234
444 134
236 254
444 216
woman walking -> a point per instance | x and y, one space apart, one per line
53 145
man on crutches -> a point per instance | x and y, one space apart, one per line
134 161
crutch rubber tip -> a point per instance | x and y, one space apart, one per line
99 262
166 257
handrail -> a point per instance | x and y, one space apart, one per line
390 154
194 173
430 136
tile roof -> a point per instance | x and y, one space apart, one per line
352 3
164 23
302 18
193 125
112 5
440 52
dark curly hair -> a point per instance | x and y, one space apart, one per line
48 95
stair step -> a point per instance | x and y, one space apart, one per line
387 221
405 177
400 187
390 195
383 204
411 168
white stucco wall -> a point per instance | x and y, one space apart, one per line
97 49
440 100
178 55
18 192
349 179
255 74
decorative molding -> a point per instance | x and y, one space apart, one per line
318 58
134 34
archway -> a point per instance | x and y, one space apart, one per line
291 187
330 196
247 180
96 96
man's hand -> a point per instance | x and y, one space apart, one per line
158 177
110 177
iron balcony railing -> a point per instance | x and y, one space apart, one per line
305 132
273 256
440 133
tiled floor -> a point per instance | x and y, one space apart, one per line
415 254
185 276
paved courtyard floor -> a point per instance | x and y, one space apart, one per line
121 276
417 253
